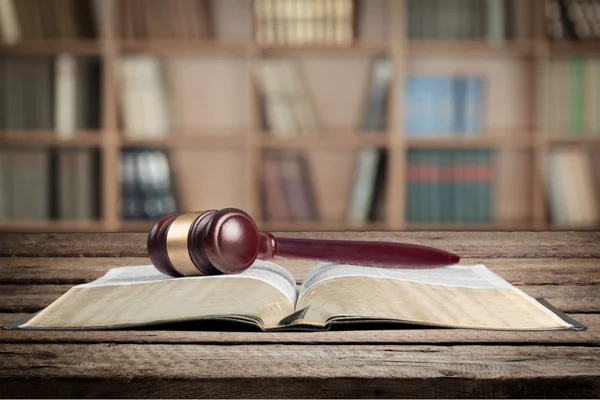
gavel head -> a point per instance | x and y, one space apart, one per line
210 242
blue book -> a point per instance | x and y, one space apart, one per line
443 101
459 94
473 107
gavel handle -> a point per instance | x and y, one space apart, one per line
368 253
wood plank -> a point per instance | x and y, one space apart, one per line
223 335
74 270
567 298
108 370
467 244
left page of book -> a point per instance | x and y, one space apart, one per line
140 295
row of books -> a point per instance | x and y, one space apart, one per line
159 19
450 186
40 184
491 20
573 186
47 19
443 105
59 93
304 22
575 20
572 105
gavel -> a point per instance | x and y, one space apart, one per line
228 241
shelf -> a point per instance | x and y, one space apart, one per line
417 46
325 140
51 226
569 227
182 47
472 226
518 141
585 139
575 48
353 49
136 226
39 138
53 47
190 141
283 226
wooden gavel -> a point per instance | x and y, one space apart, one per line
228 241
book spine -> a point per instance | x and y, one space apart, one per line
473 105
576 96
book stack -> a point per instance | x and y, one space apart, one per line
48 19
449 186
158 19
573 97
443 105
304 22
576 20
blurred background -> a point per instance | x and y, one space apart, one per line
307 114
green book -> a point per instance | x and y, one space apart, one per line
576 66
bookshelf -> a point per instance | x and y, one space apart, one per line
224 114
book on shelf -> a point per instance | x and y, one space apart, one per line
266 297
148 190
573 186
494 21
173 19
572 20
50 93
144 105
572 97
39 184
442 106
450 186
305 22
24 20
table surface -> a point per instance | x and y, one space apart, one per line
563 267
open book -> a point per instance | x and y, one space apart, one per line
267 296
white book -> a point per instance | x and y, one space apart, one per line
65 95
10 30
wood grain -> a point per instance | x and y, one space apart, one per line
73 270
466 244
449 337
567 298
109 370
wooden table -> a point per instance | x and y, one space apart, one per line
563 267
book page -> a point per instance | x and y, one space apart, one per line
453 296
129 296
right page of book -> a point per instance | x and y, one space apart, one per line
453 296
